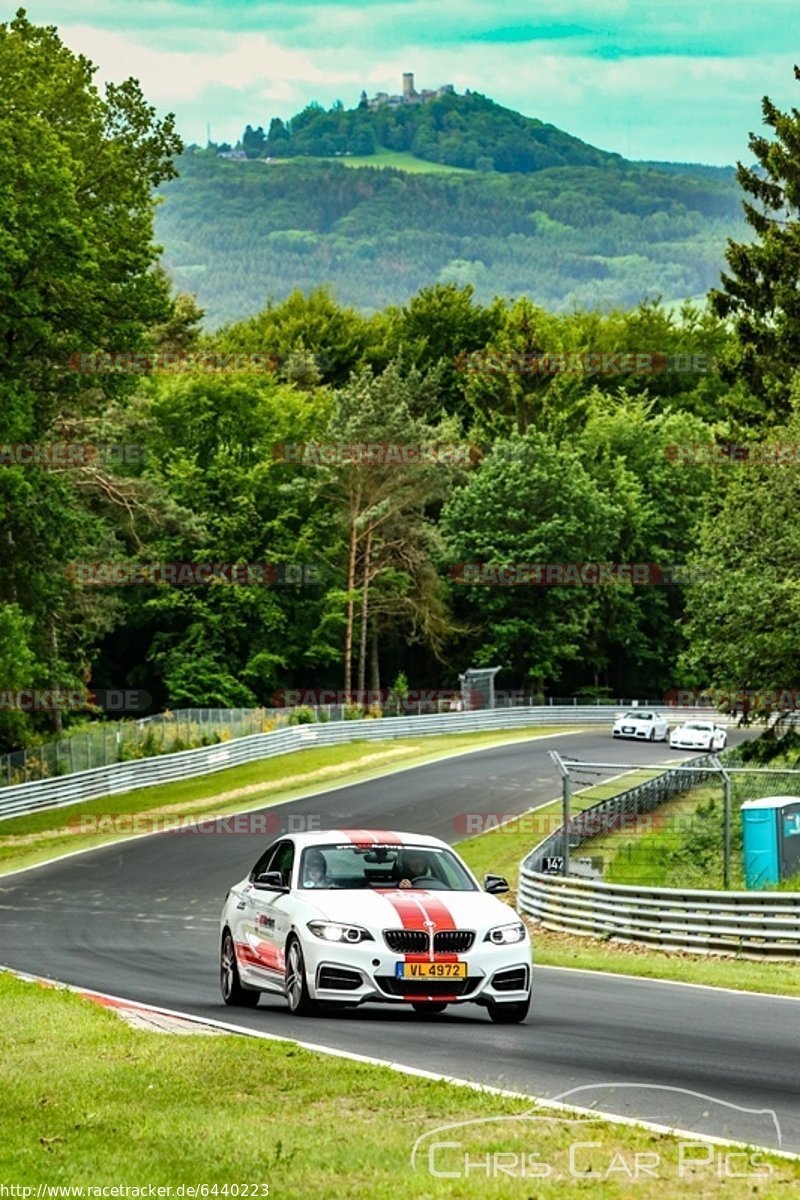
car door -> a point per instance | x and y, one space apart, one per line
270 911
244 921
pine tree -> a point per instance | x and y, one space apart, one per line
762 291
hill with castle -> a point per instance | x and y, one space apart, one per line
418 187
435 125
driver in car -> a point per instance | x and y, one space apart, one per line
413 868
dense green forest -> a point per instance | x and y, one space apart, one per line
553 448
240 233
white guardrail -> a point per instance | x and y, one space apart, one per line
752 924
167 768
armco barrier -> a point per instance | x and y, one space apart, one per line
752 924
167 768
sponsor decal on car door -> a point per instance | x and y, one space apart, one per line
265 922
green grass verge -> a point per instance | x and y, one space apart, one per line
401 160
90 1101
680 845
553 949
38 837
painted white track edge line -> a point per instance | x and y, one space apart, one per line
710 987
402 1069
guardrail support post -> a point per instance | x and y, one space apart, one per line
566 799
726 820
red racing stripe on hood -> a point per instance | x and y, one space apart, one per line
437 910
418 909
408 910
421 910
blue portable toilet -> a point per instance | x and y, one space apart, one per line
771 839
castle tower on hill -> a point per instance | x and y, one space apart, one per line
409 94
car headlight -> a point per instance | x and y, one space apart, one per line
506 935
332 931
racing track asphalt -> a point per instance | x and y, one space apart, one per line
139 919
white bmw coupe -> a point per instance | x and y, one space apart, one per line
352 915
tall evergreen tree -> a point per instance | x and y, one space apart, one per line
761 291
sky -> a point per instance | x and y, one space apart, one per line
677 80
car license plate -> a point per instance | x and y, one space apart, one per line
431 970
627 729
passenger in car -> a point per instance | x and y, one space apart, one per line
316 872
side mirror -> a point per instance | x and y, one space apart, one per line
270 881
495 884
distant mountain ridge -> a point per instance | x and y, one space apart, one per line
239 233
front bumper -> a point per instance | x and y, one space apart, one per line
367 972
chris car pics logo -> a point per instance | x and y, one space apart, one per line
538 1144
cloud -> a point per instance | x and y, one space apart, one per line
628 75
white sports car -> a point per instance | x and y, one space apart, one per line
354 915
698 735
641 723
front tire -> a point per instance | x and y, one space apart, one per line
509 1014
297 994
234 993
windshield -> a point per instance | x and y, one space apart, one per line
637 716
349 866
697 725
